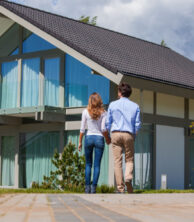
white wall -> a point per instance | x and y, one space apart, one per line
168 105
148 99
170 156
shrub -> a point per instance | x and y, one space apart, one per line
69 173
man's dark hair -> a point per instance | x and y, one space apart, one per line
125 89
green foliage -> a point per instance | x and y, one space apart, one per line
69 173
105 189
88 20
163 43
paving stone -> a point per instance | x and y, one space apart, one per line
84 210
98 207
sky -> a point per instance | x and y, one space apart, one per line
151 20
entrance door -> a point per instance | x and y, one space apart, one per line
191 163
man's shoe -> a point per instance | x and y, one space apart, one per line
87 189
129 186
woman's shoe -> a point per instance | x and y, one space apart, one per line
93 189
87 189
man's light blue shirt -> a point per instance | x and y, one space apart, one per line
123 115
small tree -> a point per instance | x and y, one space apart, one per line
163 43
88 20
69 173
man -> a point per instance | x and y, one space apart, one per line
123 120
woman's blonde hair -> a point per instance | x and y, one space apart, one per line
95 106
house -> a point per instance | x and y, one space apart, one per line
49 65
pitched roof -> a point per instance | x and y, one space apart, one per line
115 51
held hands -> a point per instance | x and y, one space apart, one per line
107 137
108 140
80 147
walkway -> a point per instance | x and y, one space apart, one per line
98 207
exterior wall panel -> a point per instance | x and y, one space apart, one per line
170 156
168 105
5 24
191 109
148 99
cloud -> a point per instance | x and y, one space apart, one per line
152 20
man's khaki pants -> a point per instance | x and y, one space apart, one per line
123 141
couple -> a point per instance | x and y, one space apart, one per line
123 121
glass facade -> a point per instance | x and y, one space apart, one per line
34 43
191 163
142 175
80 83
79 80
7 160
52 81
30 82
15 52
8 86
143 158
36 152
37 149
73 137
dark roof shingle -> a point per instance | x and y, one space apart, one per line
115 51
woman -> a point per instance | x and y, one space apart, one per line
94 118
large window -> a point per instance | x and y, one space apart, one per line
30 82
191 163
52 81
36 152
9 80
143 158
7 161
73 137
142 175
35 90
34 43
80 83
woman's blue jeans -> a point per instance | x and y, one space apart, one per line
96 143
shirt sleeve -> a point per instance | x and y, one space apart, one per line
137 121
108 121
103 122
83 122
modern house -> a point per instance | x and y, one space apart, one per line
49 65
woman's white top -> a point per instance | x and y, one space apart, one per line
95 127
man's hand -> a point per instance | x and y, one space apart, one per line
80 147
108 140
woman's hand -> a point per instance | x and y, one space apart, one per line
80 147
107 137
80 141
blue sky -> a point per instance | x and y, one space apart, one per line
152 20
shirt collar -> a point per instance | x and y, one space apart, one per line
124 98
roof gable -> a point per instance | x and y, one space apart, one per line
114 51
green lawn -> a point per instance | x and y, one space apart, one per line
7 191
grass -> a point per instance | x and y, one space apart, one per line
7 191
163 191
100 189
